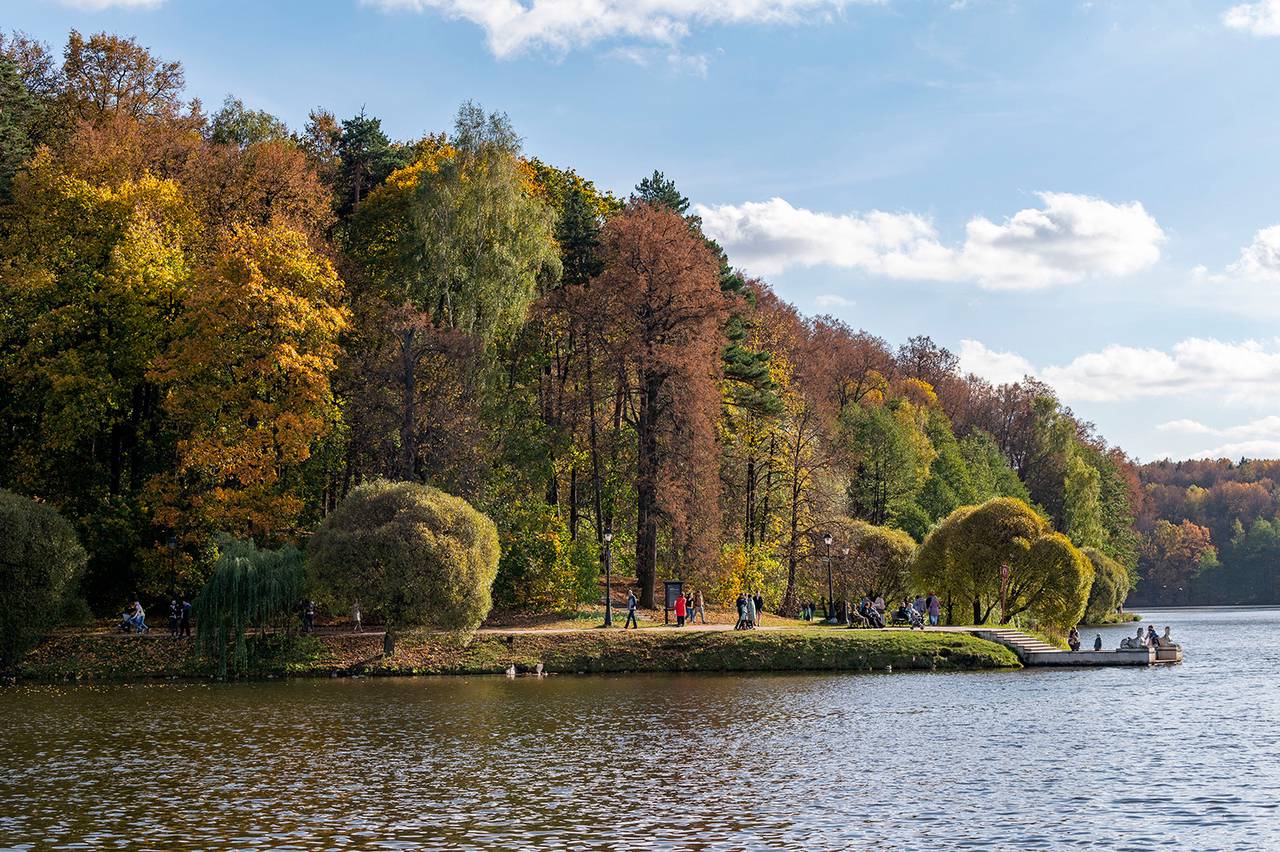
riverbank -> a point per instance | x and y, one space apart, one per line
81 655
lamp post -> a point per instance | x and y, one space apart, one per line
831 588
608 578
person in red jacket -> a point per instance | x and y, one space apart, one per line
681 610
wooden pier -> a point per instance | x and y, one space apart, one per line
1035 652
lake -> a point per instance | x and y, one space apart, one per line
1185 756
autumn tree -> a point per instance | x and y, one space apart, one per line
92 283
107 75
247 380
662 289
1171 556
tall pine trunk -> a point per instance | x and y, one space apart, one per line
647 492
409 397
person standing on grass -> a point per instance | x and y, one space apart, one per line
741 603
355 617
631 610
759 602
698 607
681 610
173 618
184 623
934 606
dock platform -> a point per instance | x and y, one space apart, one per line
1034 652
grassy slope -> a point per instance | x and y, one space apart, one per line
100 656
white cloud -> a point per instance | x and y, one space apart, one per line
1259 261
833 300
1070 238
1261 18
999 368
100 5
514 26
1245 372
1255 439
1191 427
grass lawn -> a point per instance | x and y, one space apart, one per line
811 647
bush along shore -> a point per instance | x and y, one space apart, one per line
72 655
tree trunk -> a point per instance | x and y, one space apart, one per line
409 396
749 522
573 503
647 493
595 449
977 611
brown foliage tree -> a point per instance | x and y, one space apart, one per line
660 291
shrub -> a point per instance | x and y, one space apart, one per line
40 565
250 589
412 554
542 569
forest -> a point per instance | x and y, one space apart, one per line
215 325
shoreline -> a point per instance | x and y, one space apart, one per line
84 656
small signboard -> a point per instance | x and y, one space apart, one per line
674 589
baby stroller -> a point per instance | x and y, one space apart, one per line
907 616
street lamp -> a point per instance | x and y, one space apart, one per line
831 588
608 578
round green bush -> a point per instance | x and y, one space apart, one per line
411 554
40 564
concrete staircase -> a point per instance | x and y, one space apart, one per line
1020 643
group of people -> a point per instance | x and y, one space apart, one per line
750 611
925 609
1147 639
134 618
179 617
689 606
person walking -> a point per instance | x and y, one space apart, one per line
184 623
173 618
139 618
682 609
699 609
758 600
355 618
934 606
751 612
741 603
631 610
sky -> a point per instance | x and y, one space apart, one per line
1086 192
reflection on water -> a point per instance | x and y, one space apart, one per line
1184 756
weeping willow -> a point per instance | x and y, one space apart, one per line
251 591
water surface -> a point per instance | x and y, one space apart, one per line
1185 756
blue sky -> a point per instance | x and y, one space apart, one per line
1083 190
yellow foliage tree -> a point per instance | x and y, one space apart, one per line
247 381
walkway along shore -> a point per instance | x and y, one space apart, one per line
716 647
